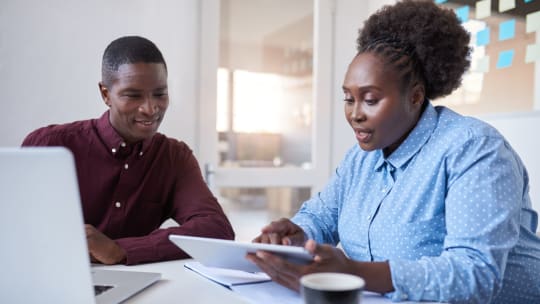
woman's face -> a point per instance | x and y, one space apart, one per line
380 112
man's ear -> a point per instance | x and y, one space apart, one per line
104 91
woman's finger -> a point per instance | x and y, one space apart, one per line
282 272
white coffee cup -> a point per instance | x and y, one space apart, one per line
331 287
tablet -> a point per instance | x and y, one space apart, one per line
231 254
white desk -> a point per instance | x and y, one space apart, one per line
180 285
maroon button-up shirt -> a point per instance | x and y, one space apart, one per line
128 191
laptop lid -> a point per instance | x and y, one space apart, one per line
44 256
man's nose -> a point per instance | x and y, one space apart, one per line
149 106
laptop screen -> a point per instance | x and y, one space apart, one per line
43 243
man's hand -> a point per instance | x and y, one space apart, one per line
282 232
101 248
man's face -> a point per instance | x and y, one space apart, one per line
138 99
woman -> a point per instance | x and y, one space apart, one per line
430 205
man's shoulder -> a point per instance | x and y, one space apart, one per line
172 146
170 142
172 152
56 134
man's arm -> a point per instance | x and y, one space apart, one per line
194 208
192 205
101 248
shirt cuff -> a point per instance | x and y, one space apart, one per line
137 250
405 274
307 227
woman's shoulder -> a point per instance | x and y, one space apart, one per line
458 128
355 153
356 158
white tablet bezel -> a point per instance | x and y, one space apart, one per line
232 254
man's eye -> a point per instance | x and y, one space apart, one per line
371 101
132 96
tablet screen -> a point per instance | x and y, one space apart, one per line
232 254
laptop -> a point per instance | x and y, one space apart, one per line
44 256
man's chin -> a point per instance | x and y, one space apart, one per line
141 136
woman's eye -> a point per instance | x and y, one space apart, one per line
371 101
348 100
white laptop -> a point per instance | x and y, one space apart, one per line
43 254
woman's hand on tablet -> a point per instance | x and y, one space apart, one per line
327 259
282 232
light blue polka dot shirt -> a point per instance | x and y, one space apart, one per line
449 210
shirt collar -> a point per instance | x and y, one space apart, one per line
115 143
414 141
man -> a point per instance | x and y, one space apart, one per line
132 178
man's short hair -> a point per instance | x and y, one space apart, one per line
128 50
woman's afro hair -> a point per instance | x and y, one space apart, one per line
422 40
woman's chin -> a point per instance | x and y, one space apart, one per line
366 147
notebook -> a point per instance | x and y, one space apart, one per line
44 256
227 277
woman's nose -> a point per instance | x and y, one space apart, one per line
356 112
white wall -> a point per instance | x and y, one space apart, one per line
349 17
50 54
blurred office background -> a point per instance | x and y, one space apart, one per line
255 85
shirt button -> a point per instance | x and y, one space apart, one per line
113 150
123 144
140 153
369 217
126 166
118 204
383 190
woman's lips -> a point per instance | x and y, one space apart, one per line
363 135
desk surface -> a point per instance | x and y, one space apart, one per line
179 284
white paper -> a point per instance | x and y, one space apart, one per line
271 293
268 292
257 288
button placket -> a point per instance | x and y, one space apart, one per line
387 183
